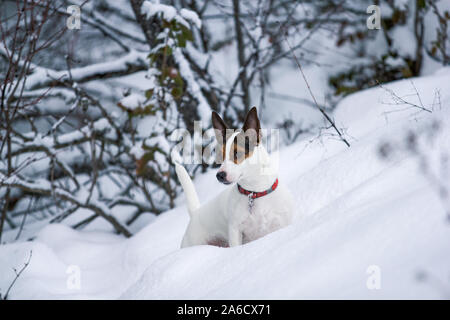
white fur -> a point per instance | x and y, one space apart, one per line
227 217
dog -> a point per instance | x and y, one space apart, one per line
254 205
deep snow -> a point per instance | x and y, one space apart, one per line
354 210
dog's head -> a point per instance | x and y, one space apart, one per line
241 150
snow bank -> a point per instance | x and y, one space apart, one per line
354 210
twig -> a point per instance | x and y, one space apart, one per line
333 125
40 188
399 100
17 276
22 224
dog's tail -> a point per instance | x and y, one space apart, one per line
188 187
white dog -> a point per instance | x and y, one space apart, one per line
256 206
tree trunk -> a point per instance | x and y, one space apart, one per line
241 59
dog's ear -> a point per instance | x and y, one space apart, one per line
252 124
219 126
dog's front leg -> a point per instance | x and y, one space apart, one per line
234 236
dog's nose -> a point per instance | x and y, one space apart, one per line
221 176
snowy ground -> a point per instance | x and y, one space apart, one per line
354 210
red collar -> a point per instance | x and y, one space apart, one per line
255 195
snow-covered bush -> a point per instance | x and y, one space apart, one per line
410 34
155 113
74 151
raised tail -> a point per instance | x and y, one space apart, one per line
188 186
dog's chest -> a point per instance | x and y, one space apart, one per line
257 218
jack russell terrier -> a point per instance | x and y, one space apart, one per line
256 206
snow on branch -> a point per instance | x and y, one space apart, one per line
130 63
44 187
40 143
169 13
193 87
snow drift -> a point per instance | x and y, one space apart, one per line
356 212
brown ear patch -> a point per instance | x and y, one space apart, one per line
244 143
242 148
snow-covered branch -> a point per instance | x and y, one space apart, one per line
130 63
43 187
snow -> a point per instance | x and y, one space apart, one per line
152 8
193 86
133 101
41 76
406 47
402 4
191 16
355 210
137 152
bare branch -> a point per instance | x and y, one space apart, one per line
333 125
17 277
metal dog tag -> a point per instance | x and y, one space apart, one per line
250 202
